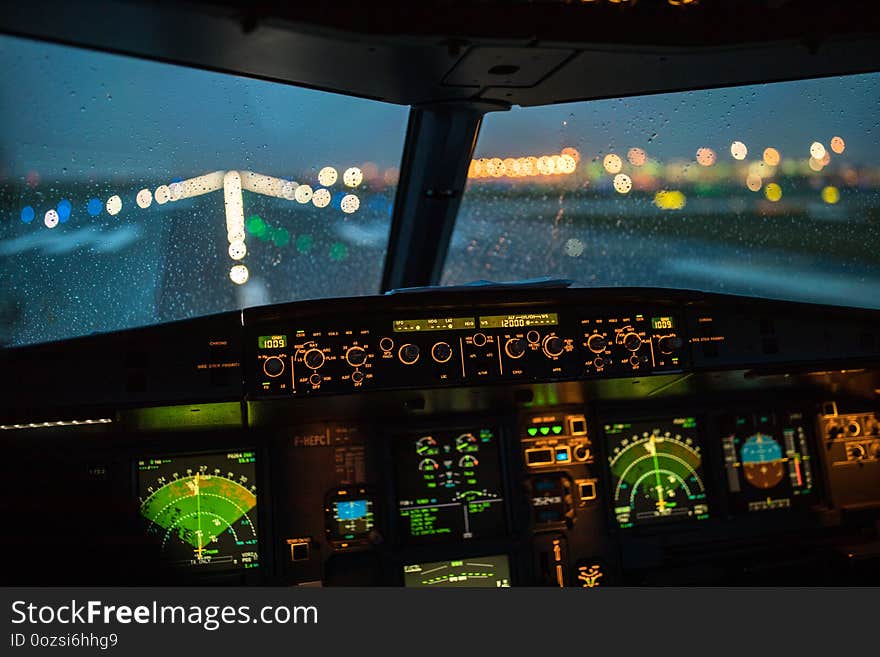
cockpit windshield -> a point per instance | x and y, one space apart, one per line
769 190
134 192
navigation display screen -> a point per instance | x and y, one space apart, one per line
201 509
656 471
476 572
449 485
767 460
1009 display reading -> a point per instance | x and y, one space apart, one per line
272 342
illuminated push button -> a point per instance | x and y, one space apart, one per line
386 344
597 343
315 379
587 490
553 346
533 336
670 343
515 347
479 339
408 354
599 363
314 359
634 360
356 356
581 453
441 352
357 376
632 341
273 366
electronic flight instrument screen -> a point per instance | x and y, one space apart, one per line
201 508
350 516
767 460
482 572
656 471
449 485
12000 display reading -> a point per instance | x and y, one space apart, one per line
202 509
449 486
656 471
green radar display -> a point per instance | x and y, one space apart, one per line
202 509
656 471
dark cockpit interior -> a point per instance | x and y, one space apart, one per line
440 294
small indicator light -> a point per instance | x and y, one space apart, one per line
545 431
557 429
533 431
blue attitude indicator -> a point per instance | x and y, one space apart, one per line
351 510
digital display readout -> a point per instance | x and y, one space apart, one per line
661 323
272 342
519 321
477 572
433 324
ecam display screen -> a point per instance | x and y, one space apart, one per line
481 572
449 485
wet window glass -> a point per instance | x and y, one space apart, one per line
134 192
768 190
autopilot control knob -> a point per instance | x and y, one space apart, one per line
408 354
314 358
669 343
441 352
357 376
553 346
273 366
856 452
515 347
632 341
356 356
597 343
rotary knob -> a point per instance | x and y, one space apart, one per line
632 341
356 356
408 354
273 366
553 346
515 347
315 379
314 358
357 376
479 339
597 343
441 352
669 343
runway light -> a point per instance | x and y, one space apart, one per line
637 157
114 205
350 203
612 163
669 200
303 194
239 274
162 195
573 248
352 177
622 183
705 156
327 176
144 198
321 198
773 192
565 164
754 182
573 153
738 150
237 250
817 150
771 157
830 194
51 218
816 165
838 145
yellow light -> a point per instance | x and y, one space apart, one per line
773 192
545 165
825 159
771 157
754 182
509 166
350 203
669 200
162 195
612 163
114 205
239 274
144 198
565 164
738 150
830 194
622 183
816 165
529 166
573 153
352 177
321 198
237 250
705 156
477 169
327 176
838 145
817 150
637 156
303 194
495 167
